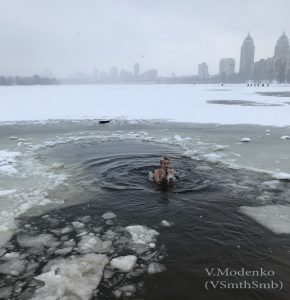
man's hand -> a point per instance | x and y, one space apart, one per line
163 173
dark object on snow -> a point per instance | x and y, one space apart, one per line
104 121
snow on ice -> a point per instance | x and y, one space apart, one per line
274 217
74 277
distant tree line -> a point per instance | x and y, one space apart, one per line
30 80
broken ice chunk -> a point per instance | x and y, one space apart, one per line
57 165
77 277
36 241
5 237
78 225
245 140
13 267
124 263
108 215
10 255
154 268
89 244
141 234
274 217
64 251
6 292
165 223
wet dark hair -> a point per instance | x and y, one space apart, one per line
164 158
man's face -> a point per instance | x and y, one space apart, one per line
165 164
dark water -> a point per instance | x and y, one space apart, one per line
209 231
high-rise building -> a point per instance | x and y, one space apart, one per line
227 66
150 75
282 47
203 70
136 70
247 58
288 68
114 73
281 58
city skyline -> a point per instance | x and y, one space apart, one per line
246 68
267 69
61 38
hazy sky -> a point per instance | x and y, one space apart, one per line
65 36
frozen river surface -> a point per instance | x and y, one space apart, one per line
228 104
60 178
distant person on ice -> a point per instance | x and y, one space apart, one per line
164 174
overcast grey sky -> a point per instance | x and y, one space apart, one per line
65 36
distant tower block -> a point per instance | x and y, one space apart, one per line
114 73
282 47
136 70
203 70
282 59
247 58
227 66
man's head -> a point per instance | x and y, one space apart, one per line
164 162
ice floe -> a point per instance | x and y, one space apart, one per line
12 267
90 244
6 292
27 241
124 263
271 184
6 192
219 147
108 215
165 223
5 237
57 165
274 217
78 225
72 269
73 278
154 268
212 157
246 140
141 234
8 162
281 175
203 168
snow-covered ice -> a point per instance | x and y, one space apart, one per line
141 234
73 278
78 225
108 215
128 290
5 237
36 241
13 267
281 175
124 263
274 217
90 244
109 102
165 223
246 140
154 268
8 162
6 192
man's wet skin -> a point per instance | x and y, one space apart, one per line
164 175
